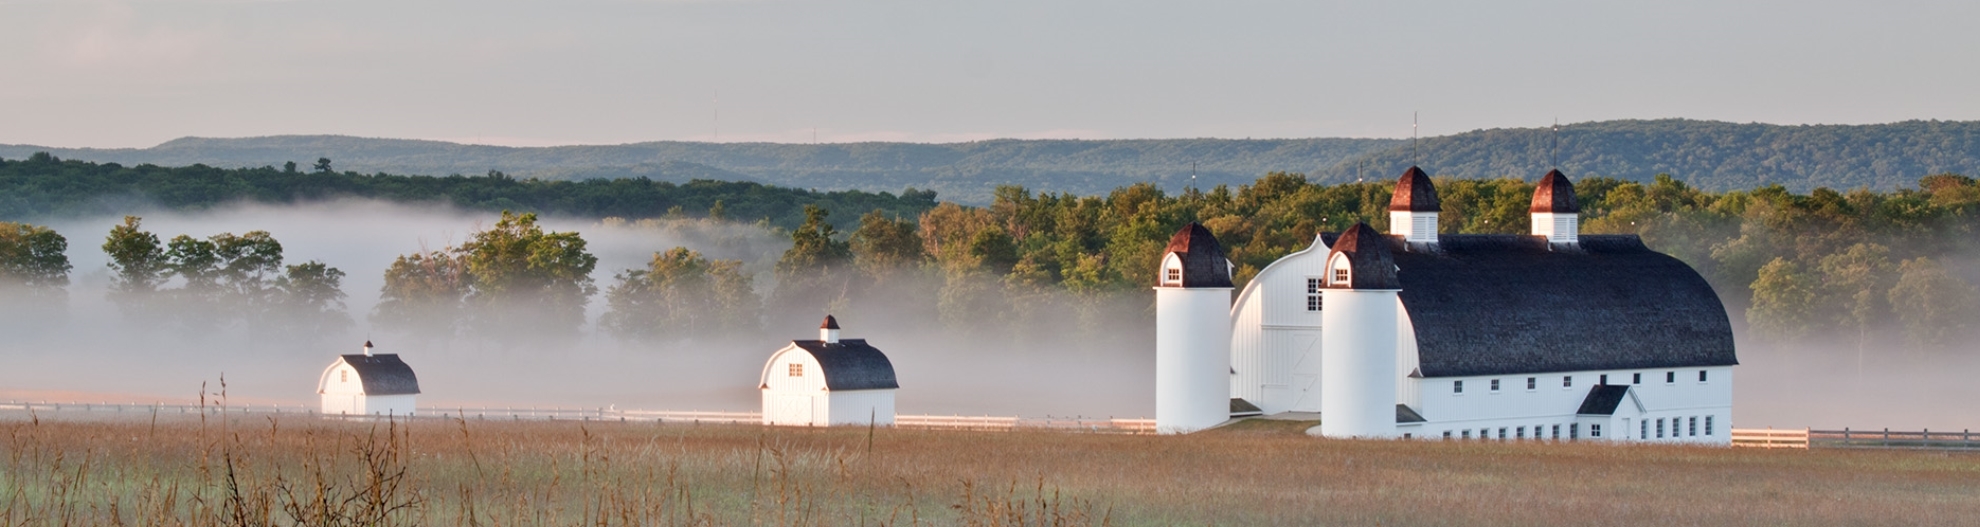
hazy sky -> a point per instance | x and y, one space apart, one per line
136 73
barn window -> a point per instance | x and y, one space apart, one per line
1457 386
1708 425
1642 429
797 369
1574 431
1691 427
1175 276
1520 433
1660 428
1531 383
1447 434
1340 275
1701 375
1567 381
1604 380
1670 377
1467 434
1495 385
343 375
1594 430
1557 431
1313 294
1636 378
1502 433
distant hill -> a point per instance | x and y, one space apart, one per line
1708 154
965 172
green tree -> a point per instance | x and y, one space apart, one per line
1784 301
138 266
1857 282
681 294
526 278
34 259
813 251
883 245
311 299
1935 306
424 294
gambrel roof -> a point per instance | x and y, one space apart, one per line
1489 304
851 364
384 374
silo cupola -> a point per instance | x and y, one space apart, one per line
1556 213
828 331
1361 259
1413 208
1194 259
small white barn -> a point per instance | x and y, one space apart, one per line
828 382
368 384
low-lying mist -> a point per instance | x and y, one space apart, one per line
1062 355
95 354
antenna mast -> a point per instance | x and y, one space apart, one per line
1416 158
1555 158
718 116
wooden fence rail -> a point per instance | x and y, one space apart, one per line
1887 438
1769 438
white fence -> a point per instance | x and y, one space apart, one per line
554 413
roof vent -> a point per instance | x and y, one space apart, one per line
367 348
1556 213
1413 207
828 331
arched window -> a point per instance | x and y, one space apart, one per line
343 375
1172 270
1341 274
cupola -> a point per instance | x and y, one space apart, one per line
1194 259
1413 208
1556 214
1361 259
828 331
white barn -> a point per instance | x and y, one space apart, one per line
829 381
1418 334
368 384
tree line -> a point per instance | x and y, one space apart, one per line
1861 265
43 186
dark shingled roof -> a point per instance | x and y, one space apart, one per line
1203 261
1243 408
1414 193
851 364
1406 415
1492 304
1603 399
1370 259
384 374
829 323
1554 194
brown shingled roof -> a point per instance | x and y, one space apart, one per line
1414 193
1370 261
830 323
1203 260
1554 194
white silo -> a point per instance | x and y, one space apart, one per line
1358 337
1192 334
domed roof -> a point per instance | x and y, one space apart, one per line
1203 260
1371 263
1414 193
1554 194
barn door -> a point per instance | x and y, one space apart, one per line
794 410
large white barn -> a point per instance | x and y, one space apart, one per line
367 384
1418 334
829 381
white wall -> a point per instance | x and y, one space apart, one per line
1549 403
1275 341
858 407
793 401
1192 358
1358 350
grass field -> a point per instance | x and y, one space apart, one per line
299 471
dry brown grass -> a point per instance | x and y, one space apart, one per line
449 472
